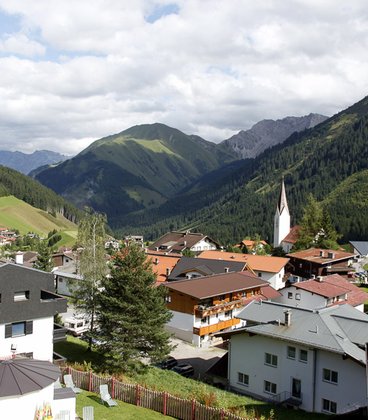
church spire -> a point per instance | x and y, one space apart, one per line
282 203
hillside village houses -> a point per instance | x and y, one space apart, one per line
27 375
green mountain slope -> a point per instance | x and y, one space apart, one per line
17 214
32 192
139 168
243 202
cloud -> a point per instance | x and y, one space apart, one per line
72 72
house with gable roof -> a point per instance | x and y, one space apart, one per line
203 306
322 292
311 359
177 242
271 269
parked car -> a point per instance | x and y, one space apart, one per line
184 369
168 363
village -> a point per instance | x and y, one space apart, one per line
288 330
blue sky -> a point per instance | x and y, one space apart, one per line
73 72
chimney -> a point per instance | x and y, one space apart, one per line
313 276
168 271
185 243
157 260
287 314
321 253
156 249
226 269
320 279
19 258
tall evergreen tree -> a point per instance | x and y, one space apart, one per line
43 261
316 229
92 266
132 313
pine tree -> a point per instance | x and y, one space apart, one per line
92 266
132 313
43 261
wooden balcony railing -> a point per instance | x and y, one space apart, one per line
202 311
221 325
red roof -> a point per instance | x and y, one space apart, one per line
334 286
293 235
321 256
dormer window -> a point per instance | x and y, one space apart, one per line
21 296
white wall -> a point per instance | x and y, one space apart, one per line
40 342
307 299
275 279
281 227
181 325
247 356
23 407
65 286
203 245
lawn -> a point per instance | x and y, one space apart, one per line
164 380
121 411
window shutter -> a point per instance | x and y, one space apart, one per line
29 327
8 330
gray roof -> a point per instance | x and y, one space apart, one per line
339 329
360 246
205 266
21 376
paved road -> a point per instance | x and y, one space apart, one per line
200 358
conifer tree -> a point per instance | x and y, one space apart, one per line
43 261
92 266
132 313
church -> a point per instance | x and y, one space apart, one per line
283 235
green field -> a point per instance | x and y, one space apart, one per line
16 214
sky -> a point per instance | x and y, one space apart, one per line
74 71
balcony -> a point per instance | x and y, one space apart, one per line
59 333
56 302
287 398
216 327
202 311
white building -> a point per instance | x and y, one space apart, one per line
27 309
311 359
271 269
281 219
322 292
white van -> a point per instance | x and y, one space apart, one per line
76 326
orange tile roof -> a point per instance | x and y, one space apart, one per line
255 262
160 265
249 243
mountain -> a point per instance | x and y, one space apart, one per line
25 163
139 168
17 214
267 133
13 183
330 161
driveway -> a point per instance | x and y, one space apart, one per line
200 358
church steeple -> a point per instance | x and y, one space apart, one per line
282 218
282 203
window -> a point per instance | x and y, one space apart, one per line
329 406
168 299
270 359
290 295
18 329
297 296
303 356
259 274
20 296
291 351
330 376
270 387
243 379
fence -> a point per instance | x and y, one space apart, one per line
154 400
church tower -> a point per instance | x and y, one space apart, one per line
282 218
